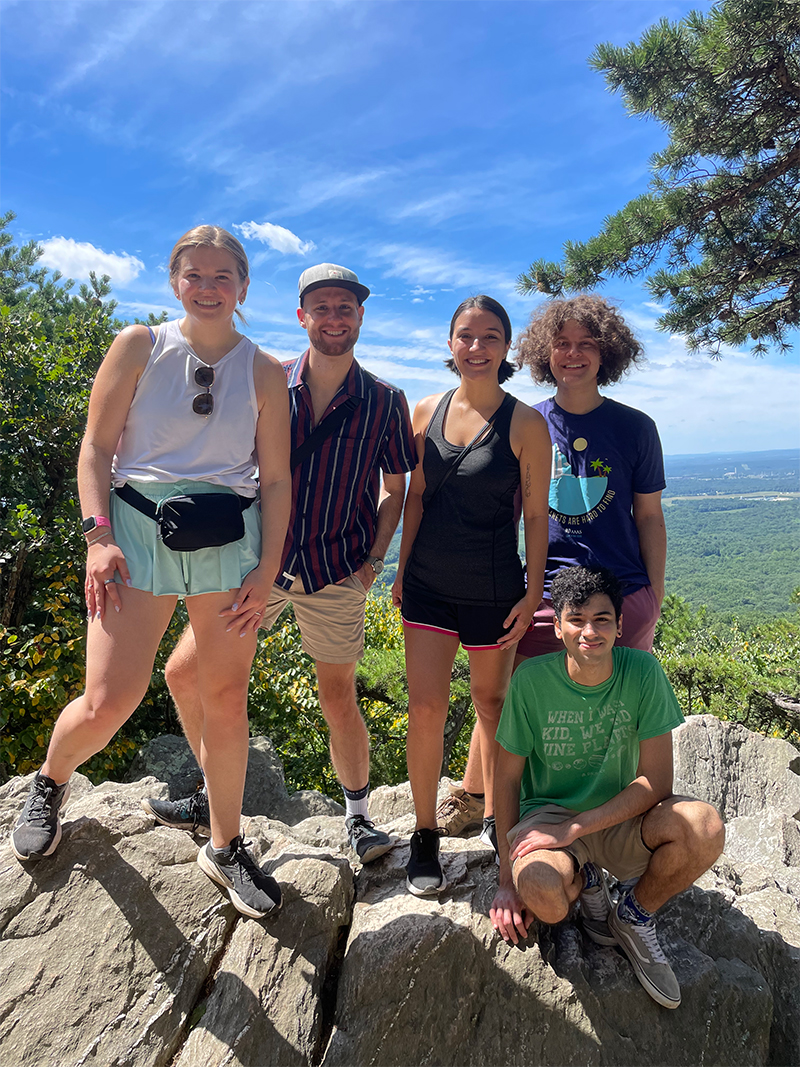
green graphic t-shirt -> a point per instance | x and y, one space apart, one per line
582 742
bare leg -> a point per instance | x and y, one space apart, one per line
184 687
473 775
429 665
349 740
120 650
548 883
223 672
490 673
687 836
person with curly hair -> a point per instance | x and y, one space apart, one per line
607 476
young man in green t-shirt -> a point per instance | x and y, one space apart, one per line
584 782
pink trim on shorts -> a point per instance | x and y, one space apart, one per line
427 626
478 648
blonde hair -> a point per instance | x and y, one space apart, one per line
210 237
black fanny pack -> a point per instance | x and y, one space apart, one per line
186 523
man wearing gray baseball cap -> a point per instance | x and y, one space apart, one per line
352 445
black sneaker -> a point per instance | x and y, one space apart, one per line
367 842
424 875
38 828
488 836
252 891
190 813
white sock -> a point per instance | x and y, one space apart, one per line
356 801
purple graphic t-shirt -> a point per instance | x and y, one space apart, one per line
599 461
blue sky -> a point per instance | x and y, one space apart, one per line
436 148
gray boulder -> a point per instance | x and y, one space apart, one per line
430 982
106 945
736 770
169 759
266 1002
118 950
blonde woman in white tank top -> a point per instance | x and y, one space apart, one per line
156 423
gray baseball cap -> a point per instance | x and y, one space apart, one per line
329 274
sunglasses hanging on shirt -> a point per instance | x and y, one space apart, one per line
203 403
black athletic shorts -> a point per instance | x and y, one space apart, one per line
475 626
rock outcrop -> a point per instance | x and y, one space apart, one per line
118 950
169 759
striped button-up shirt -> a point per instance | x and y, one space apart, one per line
335 491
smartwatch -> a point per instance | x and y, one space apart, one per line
376 563
87 525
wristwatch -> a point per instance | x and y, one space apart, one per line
376 563
87 525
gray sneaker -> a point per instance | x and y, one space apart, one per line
459 813
190 813
38 828
252 891
367 842
639 943
595 909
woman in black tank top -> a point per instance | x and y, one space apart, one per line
459 578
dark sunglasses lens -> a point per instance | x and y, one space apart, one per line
203 404
204 377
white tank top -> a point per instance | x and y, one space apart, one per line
163 440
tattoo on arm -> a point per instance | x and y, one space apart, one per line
528 480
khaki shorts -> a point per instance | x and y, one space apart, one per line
331 620
620 849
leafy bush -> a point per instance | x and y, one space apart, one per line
749 675
283 703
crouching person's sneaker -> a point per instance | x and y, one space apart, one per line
424 875
639 943
596 905
190 813
367 842
252 891
38 828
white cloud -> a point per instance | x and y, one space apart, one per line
110 44
277 237
132 310
426 266
736 404
76 258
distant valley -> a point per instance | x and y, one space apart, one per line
733 530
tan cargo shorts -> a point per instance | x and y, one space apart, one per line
331 621
620 849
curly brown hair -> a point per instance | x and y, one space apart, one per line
619 349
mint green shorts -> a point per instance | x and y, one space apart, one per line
159 570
